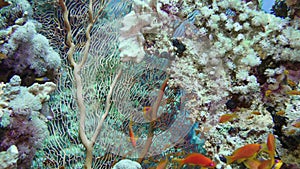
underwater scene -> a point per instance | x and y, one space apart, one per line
149 84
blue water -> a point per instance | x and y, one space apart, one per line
267 5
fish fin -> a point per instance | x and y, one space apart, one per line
264 148
241 160
131 120
229 159
272 161
180 165
278 164
179 161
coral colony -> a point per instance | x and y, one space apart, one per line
131 84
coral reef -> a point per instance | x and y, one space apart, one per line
160 73
8 158
23 50
22 122
127 164
27 53
229 51
14 12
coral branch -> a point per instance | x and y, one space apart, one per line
107 106
153 112
69 41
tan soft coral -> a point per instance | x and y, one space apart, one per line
290 2
2 103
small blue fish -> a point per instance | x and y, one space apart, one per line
230 13
180 30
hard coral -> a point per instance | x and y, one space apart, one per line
27 51
27 134
21 123
14 12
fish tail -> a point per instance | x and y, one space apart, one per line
264 148
229 159
278 164
179 161
272 161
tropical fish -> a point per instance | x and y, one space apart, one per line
290 132
250 117
42 79
268 164
278 164
147 112
268 93
280 113
230 13
291 83
265 164
262 164
227 117
256 113
180 30
196 159
252 163
271 147
131 134
243 153
146 109
162 164
297 124
293 92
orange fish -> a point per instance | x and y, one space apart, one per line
280 113
131 134
268 93
291 83
227 117
147 113
146 109
243 153
297 124
290 132
293 92
196 159
256 113
265 164
252 163
271 147
162 164
262 164
250 117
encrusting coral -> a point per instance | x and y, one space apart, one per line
8 158
23 50
22 122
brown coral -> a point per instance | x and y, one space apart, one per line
290 2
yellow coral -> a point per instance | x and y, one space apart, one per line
1 86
